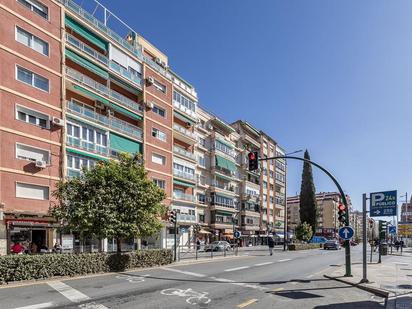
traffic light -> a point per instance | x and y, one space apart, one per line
342 213
383 225
172 216
253 160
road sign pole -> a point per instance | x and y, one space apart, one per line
364 240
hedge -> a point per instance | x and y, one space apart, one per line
294 247
42 266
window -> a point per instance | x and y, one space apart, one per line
36 7
32 41
202 142
183 100
76 163
32 79
185 169
160 183
159 86
25 152
201 218
265 184
26 190
158 159
201 160
201 198
86 137
159 134
32 117
222 201
224 148
159 111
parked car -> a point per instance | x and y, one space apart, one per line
332 244
218 246
318 240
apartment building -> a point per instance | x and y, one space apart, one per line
327 212
406 212
79 86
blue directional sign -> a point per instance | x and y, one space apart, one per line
237 234
383 204
392 230
346 232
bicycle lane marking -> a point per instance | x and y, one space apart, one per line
192 297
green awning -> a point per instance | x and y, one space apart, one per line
125 111
225 143
93 95
125 85
224 213
223 176
183 117
225 163
85 33
86 64
86 154
123 144
224 195
183 183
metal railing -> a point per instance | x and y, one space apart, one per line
184 217
182 174
184 109
184 131
136 79
78 143
184 153
183 196
113 123
73 41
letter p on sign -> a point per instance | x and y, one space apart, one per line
377 197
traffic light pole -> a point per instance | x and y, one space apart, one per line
364 262
175 230
348 272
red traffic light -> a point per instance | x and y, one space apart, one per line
252 156
341 207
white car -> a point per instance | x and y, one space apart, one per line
218 246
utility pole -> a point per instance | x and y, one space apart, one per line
364 262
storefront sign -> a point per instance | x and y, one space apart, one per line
67 242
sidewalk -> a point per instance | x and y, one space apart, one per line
393 275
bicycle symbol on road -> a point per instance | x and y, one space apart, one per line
193 297
132 279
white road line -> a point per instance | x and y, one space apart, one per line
237 268
310 276
37 306
189 273
222 280
284 260
266 263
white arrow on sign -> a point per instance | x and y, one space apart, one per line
377 212
346 232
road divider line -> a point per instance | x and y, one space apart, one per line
37 306
310 276
237 268
284 260
247 303
266 263
277 289
189 273
68 292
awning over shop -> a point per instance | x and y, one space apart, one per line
183 117
183 183
203 232
79 152
85 33
93 95
123 144
125 112
86 64
225 163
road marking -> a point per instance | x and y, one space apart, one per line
266 263
189 273
237 268
277 289
247 303
310 276
37 306
284 260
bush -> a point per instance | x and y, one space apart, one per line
294 247
28 267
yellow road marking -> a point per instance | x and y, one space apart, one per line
277 289
247 303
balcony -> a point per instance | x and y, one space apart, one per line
186 218
184 109
184 134
113 123
76 142
134 78
182 174
73 41
103 89
185 153
184 197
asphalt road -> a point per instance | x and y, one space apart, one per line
254 280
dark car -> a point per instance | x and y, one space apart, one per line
331 244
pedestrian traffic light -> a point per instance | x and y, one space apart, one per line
383 225
172 216
253 160
342 213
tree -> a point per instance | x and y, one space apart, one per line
304 232
308 204
114 199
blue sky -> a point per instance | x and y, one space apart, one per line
331 76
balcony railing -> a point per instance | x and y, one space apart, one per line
184 109
184 217
87 49
113 123
182 174
184 131
183 196
223 186
103 89
184 153
76 142
136 79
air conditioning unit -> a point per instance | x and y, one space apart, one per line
150 80
188 124
99 104
149 105
58 121
158 60
110 112
209 127
41 164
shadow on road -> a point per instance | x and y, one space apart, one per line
353 305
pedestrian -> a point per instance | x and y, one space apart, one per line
271 244
33 248
17 248
397 245
57 248
401 244
198 245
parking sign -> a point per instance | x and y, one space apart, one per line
383 204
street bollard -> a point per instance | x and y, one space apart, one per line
211 253
224 252
196 252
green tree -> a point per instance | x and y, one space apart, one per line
304 232
308 204
115 199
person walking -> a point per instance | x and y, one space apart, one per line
397 245
271 244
